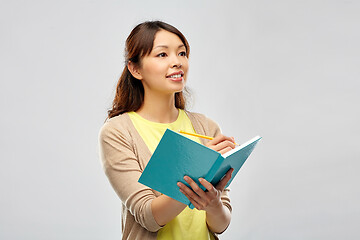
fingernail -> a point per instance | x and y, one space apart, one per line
179 184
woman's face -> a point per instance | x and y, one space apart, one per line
164 70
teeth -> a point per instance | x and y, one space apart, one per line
176 76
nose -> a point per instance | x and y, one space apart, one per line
176 63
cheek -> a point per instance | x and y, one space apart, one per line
185 68
185 64
154 69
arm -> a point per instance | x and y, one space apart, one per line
218 217
218 214
123 171
218 221
165 208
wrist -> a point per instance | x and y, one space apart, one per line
164 209
218 219
216 209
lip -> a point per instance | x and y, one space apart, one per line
175 73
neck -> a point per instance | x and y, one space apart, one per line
159 108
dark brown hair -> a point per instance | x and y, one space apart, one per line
129 94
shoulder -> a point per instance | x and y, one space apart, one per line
116 127
200 117
207 125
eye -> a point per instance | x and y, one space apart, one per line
161 54
183 54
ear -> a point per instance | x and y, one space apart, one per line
134 70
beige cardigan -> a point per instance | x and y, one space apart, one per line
124 155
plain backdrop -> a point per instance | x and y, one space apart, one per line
285 70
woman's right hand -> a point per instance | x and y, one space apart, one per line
221 144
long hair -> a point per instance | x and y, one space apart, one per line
129 94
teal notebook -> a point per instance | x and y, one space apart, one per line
177 156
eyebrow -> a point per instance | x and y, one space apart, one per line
165 46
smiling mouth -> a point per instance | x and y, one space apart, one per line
176 75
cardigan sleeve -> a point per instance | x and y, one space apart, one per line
123 170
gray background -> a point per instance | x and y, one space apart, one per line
285 70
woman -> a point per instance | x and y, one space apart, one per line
149 99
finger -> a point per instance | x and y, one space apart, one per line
225 150
186 190
195 187
196 196
221 146
196 204
183 187
211 189
221 185
191 195
220 138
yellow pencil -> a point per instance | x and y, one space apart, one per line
199 135
196 135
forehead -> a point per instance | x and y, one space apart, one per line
168 39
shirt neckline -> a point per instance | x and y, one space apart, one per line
157 124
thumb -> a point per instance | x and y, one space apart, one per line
221 185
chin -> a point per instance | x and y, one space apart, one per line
179 90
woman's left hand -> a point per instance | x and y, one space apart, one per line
209 200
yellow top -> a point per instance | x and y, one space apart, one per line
190 223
